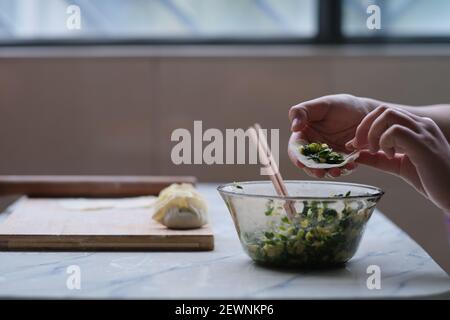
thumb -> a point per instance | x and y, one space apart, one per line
309 111
299 117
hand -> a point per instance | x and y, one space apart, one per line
408 146
330 119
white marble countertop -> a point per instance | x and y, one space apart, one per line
406 270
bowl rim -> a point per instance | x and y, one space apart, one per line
378 192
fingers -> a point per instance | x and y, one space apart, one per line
331 173
398 138
360 140
318 173
376 123
350 166
334 172
381 124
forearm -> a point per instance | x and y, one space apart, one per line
439 113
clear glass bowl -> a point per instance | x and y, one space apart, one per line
325 231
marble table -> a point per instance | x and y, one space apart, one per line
406 270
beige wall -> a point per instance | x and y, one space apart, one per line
113 114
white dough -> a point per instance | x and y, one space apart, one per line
183 219
180 206
294 147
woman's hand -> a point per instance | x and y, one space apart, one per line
330 119
408 146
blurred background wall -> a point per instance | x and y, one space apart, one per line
114 114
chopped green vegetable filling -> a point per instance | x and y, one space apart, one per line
321 153
318 235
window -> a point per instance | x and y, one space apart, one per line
400 18
222 21
156 19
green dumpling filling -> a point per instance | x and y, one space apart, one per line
318 235
321 153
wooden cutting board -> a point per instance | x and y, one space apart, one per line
88 186
44 224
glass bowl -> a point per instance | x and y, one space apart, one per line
325 231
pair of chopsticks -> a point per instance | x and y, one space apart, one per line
267 159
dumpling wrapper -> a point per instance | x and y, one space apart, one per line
294 147
180 206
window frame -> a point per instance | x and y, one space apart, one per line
329 32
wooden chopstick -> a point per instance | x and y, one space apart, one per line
260 141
